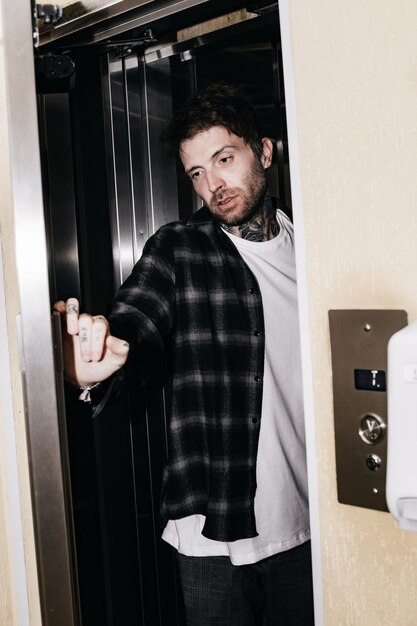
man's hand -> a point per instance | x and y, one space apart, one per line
91 354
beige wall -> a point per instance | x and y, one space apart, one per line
355 86
19 598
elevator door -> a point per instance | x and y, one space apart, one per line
120 186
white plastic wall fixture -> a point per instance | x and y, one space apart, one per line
401 481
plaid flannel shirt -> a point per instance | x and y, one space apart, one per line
191 292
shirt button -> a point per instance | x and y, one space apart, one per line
257 379
254 420
251 290
257 333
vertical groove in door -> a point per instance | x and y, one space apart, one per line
118 161
130 119
141 202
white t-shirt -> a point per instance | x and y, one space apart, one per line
281 505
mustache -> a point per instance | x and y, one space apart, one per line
220 195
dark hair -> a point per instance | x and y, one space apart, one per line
216 105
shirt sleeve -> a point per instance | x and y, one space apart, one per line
143 315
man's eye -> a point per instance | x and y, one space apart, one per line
196 175
225 159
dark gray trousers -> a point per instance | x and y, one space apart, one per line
276 591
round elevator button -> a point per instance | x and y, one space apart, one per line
373 461
372 429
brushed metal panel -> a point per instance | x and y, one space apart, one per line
119 168
138 154
359 341
159 166
63 237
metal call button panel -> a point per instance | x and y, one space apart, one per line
359 341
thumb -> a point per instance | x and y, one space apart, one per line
118 348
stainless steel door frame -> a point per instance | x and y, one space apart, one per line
50 494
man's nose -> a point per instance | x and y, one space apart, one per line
214 182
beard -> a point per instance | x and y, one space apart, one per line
250 198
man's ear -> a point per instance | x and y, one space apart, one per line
267 151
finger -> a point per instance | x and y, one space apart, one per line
98 335
72 309
119 350
85 324
60 306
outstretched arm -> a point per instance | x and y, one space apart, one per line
91 354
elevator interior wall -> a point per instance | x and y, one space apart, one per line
109 184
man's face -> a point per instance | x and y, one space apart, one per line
226 173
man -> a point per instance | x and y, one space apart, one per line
216 295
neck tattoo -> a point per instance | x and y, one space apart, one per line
263 226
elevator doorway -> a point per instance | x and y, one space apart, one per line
108 185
